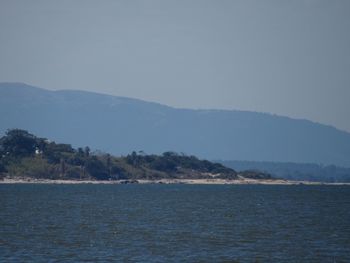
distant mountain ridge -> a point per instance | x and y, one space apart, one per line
120 125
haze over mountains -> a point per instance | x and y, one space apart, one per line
121 125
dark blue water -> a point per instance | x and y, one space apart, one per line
174 223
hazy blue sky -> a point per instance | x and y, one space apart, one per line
285 57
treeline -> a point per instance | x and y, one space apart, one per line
22 154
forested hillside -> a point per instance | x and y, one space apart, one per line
25 155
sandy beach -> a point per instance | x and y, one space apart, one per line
241 181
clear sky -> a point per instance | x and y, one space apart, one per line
284 57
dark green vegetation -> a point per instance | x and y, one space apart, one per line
25 155
296 171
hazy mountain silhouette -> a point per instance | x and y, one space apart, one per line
120 125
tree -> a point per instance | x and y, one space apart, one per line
87 151
55 152
80 152
19 143
108 163
132 158
2 167
62 168
96 168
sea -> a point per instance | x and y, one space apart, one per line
174 223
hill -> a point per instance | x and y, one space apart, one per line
24 155
120 125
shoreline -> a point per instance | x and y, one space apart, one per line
168 181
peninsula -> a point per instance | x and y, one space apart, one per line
25 157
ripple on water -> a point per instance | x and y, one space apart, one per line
157 223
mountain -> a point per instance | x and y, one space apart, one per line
120 125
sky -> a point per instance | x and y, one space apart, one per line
283 57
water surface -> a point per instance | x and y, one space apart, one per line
174 223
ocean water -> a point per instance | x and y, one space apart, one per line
174 223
